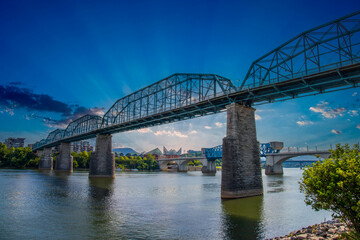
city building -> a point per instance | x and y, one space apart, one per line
172 153
82 146
14 142
155 152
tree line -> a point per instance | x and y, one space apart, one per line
24 157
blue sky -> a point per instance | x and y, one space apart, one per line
62 59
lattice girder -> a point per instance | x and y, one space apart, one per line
328 46
174 92
83 124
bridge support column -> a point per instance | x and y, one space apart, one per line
277 169
102 161
39 153
209 168
46 160
182 167
241 169
64 162
273 165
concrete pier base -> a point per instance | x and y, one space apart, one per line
102 161
46 160
209 168
274 170
241 168
64 162
182 167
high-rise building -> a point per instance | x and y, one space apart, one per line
82 146
14 142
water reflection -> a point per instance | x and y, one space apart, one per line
62 175
101 188
101 215
242 218
275 183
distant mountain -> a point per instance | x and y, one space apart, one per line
125 151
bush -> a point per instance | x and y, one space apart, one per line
334 184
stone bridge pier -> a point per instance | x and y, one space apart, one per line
209 167
64 161
241 168
274 161
46 160
102 161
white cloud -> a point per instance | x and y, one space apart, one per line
171 133
335 131
193 132
354 94
257 117
326 111
304 123
10 111
208 127
144 130
219 124
358 126
353 113
97 111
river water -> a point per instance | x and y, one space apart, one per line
147 205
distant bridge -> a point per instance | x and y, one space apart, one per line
265 148
182 163
323 59
274 161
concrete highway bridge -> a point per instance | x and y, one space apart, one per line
274 161
323 59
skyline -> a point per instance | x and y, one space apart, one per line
68 60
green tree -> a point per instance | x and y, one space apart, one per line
81 160
195 163
17 157
334 184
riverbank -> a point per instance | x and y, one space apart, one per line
327 230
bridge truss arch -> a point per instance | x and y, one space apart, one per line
55 135
174 92
332 45
83 125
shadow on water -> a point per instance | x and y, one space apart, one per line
209 174
242 218
62 175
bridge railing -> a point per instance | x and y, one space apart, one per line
307 148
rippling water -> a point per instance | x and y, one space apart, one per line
142 205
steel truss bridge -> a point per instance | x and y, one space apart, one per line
320 60
216 152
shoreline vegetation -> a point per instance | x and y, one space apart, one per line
25 158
